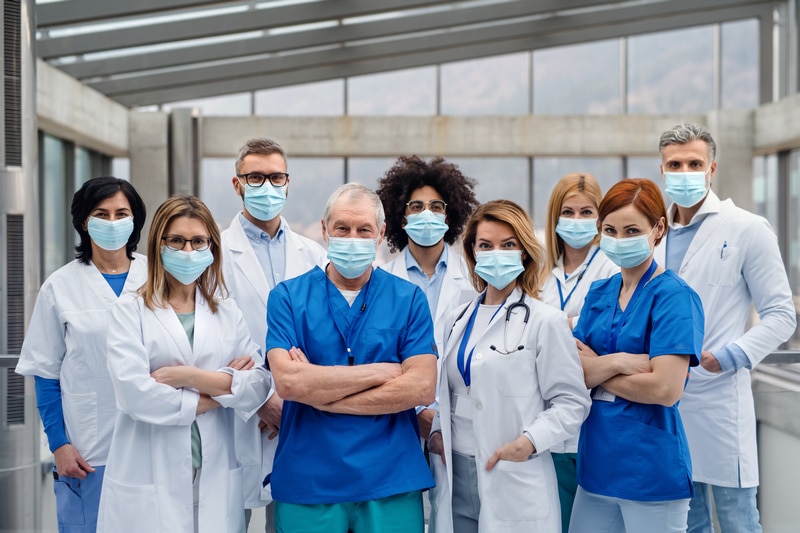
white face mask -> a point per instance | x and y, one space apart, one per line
686 188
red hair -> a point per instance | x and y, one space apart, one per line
641 193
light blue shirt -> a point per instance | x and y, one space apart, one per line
270 252
430 286
731 357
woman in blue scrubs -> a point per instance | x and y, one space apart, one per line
639 333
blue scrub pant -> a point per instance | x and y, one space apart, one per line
567 474
401 513
593 513
77 501
736 509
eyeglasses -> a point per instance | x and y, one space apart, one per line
177 242
257 179
418 206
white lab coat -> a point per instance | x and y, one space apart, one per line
66 340
539 390
148 480
600 268
248 286
456 289
717 409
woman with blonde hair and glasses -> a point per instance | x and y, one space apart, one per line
574 261
511 388
182 364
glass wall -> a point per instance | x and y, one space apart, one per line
671 72
56 223
582 79
496 85
792 255
739 68
311 99
403 92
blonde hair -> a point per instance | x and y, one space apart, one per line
155 291
567 186
512 214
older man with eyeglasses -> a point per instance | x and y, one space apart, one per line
260 251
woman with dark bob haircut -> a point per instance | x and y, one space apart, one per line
92 192
427 205
639 332
65 349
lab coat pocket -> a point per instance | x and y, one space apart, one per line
518 491
515 374
69 503
727 271
129 507
80 417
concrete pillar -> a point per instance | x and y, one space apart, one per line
733 130
149 157
184 151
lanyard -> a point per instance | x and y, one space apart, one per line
347 336
613 333
580 277
465 369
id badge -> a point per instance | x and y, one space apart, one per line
601 394
462 407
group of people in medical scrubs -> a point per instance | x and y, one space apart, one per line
598 382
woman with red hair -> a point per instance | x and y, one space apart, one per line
639 332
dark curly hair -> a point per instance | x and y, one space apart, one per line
411 173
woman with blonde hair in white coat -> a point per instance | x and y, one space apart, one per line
574 261
511 388
65 348
180 359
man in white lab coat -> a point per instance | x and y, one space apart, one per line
427 204
260 250
731 258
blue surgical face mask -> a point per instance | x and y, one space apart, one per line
185 266
626 253
265 202
577 232
110 234
351 256
426 228
498 268
685 188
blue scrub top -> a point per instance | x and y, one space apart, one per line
632 450
325 458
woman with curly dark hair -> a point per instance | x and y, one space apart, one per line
427 205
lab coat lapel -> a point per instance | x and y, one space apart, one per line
97 284
450 288
173 328
203 328
245 260
709 227
460 325
296 254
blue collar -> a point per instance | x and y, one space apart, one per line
255 234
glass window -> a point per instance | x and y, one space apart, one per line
403 92
792 255
581 79
498 178
671 72
646 167
765 188
226 105
121 168
548 170
83 166
55 218
312 99
492 86
739 73
311 181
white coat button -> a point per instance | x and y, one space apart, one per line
479 356
478 406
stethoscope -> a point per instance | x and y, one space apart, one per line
510 309
464 367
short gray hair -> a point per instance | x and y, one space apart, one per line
686 133
353 191
260 146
